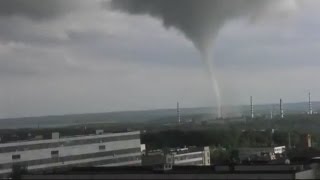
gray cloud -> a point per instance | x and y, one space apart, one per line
36 9
199 20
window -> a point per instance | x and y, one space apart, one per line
16 156
55 153
102 147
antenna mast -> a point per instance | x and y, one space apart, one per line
178 113
310 105
251 107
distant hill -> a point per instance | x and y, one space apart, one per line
143 116
109 117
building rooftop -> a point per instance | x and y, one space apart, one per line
186 150
66 138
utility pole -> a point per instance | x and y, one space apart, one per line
251 107
310 105
178 113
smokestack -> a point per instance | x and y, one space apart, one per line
281 109
310 105
178 113
251 107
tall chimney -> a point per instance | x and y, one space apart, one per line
310 105
281 109
178 113
251 107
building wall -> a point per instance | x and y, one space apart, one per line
70 141
200 158
279 149
206 158
244 153
67 151
94 150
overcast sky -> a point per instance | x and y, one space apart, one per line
62 57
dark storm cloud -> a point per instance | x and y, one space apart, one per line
199 20
36 9
36 21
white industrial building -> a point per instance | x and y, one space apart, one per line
196 156
192 156
114 149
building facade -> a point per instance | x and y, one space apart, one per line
114 149
196 156
192 156
268 153
279 149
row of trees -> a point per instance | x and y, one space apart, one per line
230 138
223 142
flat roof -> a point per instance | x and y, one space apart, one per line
72 138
